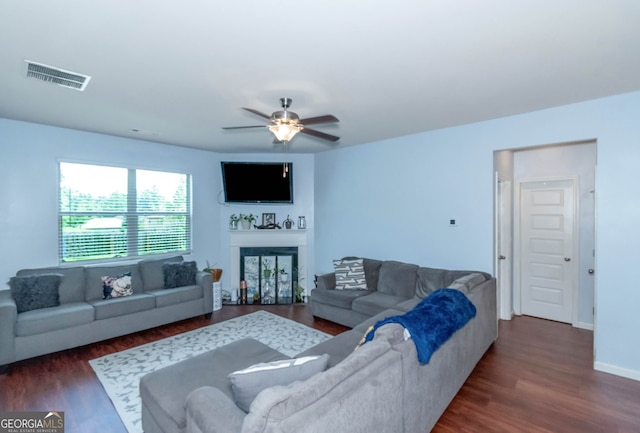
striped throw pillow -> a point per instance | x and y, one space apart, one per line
350 274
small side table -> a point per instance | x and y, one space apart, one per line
217 296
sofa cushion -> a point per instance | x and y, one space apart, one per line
358 379
398 279
407 304
179 274
432 279
72 285
94 274
33 292
350 274
116 307
375 303
466 283
337 347
364 326
54 318
151 271
176 296
116 286
337 298
249 382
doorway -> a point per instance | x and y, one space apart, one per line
517 268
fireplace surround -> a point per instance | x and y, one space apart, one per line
279 240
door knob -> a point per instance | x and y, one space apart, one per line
567 259
501 257
591 271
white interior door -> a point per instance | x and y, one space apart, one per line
547 249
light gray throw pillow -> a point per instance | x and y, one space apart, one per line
246 384
350 274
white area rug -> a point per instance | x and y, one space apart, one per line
120 372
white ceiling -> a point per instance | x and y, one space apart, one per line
181 70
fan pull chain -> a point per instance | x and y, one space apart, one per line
285 167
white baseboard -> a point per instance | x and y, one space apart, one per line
618 371
584 325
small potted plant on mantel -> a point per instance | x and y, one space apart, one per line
233 222
246 220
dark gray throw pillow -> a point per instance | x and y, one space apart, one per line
179 274
32 292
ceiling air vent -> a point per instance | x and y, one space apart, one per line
57 76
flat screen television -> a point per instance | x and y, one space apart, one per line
257 182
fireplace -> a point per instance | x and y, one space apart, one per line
270 273
282 249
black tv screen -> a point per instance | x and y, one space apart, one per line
257 182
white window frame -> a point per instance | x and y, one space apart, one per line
131 216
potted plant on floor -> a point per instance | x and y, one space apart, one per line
299 293
216 273
246 220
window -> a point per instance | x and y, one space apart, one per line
113 212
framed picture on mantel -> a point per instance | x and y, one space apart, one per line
268 218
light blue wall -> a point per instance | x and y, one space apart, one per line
29 154
393 200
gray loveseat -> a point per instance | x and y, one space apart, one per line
84 317
380 387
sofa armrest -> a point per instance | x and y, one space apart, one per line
326 281
205 280
209 410
8 317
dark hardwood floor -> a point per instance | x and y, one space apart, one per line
537 377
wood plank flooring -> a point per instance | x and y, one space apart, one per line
537 377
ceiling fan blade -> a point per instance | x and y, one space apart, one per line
251 110
319 134
327 118
242 127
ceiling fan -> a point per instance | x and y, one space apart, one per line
285 124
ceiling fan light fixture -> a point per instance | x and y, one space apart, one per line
284 131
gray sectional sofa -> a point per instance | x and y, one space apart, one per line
84 317
388 284
380 387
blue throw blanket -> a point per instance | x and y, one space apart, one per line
433 320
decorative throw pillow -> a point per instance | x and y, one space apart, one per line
350 274
116 287
179 274
32 292
247 383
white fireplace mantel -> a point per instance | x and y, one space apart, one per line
267 238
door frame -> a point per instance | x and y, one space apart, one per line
575 255
503 245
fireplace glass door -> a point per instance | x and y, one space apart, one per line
270 274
